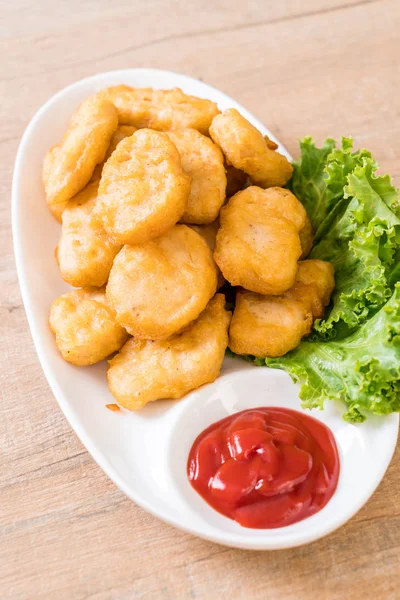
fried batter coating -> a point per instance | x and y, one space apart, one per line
68 166
143 188
203 161
273 325
85 252
209 234
247 149
258 243
161 109
144 371
267 325
159 287
85 327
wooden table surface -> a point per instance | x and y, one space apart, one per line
320 67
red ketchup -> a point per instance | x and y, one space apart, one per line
265 467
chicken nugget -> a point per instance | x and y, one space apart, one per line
203 161
247 149
161 109
143 189
209 234
85 327
272 325
258 243
159 287
144 370
68 166
85 252
267 325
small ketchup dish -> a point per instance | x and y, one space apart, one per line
348 460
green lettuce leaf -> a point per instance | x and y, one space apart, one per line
362 370
363 243
320 175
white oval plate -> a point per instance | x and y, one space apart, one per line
145 453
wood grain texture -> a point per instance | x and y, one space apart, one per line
321 67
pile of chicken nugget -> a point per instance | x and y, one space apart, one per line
164 200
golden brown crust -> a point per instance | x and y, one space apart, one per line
247 149
85 327
143 189
203 162
258 243
69 165
159 287
268 326
161 109
144 371
85 252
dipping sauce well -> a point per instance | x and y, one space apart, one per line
266 467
